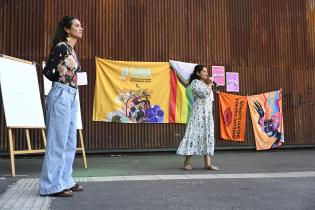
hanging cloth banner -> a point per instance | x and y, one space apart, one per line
180 95
131 92
232 116
183 70
180 100
267 118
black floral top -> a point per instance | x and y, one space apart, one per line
62 65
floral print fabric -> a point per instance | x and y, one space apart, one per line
199 134
62 65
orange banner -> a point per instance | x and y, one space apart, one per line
232 116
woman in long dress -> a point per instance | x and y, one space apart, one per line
199 134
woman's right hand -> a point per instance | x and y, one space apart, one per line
210 82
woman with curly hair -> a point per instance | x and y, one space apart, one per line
61 111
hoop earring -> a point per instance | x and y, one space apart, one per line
68 37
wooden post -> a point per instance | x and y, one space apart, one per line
44 137
11 148
29 150
28 141
82 148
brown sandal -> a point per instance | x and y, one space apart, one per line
212 167
64 193
77 188
187 167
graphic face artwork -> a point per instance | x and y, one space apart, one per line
270 117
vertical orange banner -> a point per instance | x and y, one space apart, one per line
232 116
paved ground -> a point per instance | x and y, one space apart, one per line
4 184
273 193
280 179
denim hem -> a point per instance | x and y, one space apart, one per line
59 188
45 191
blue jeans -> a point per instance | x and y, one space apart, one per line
61 132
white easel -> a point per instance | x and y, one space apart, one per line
21 102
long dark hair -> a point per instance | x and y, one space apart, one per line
60 34
194 75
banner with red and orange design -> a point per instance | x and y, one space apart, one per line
232 116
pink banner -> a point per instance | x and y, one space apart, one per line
218 74
232 82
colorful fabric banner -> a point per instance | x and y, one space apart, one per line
180 101
183 70
232 116
131 92
267 119
181 96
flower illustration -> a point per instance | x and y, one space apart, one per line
155 114
136 107
62 69
117 117
70 62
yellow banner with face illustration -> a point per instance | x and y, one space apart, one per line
131 92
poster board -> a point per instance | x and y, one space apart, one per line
232 82
218 75
47 87
20 94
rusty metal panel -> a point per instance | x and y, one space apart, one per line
270 43
21 35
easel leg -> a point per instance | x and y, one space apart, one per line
28 139
83 149
11 153
44 137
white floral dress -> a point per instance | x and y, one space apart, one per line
199 134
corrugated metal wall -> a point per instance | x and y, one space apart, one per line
270 43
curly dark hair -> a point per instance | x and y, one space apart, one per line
60 34
194 75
